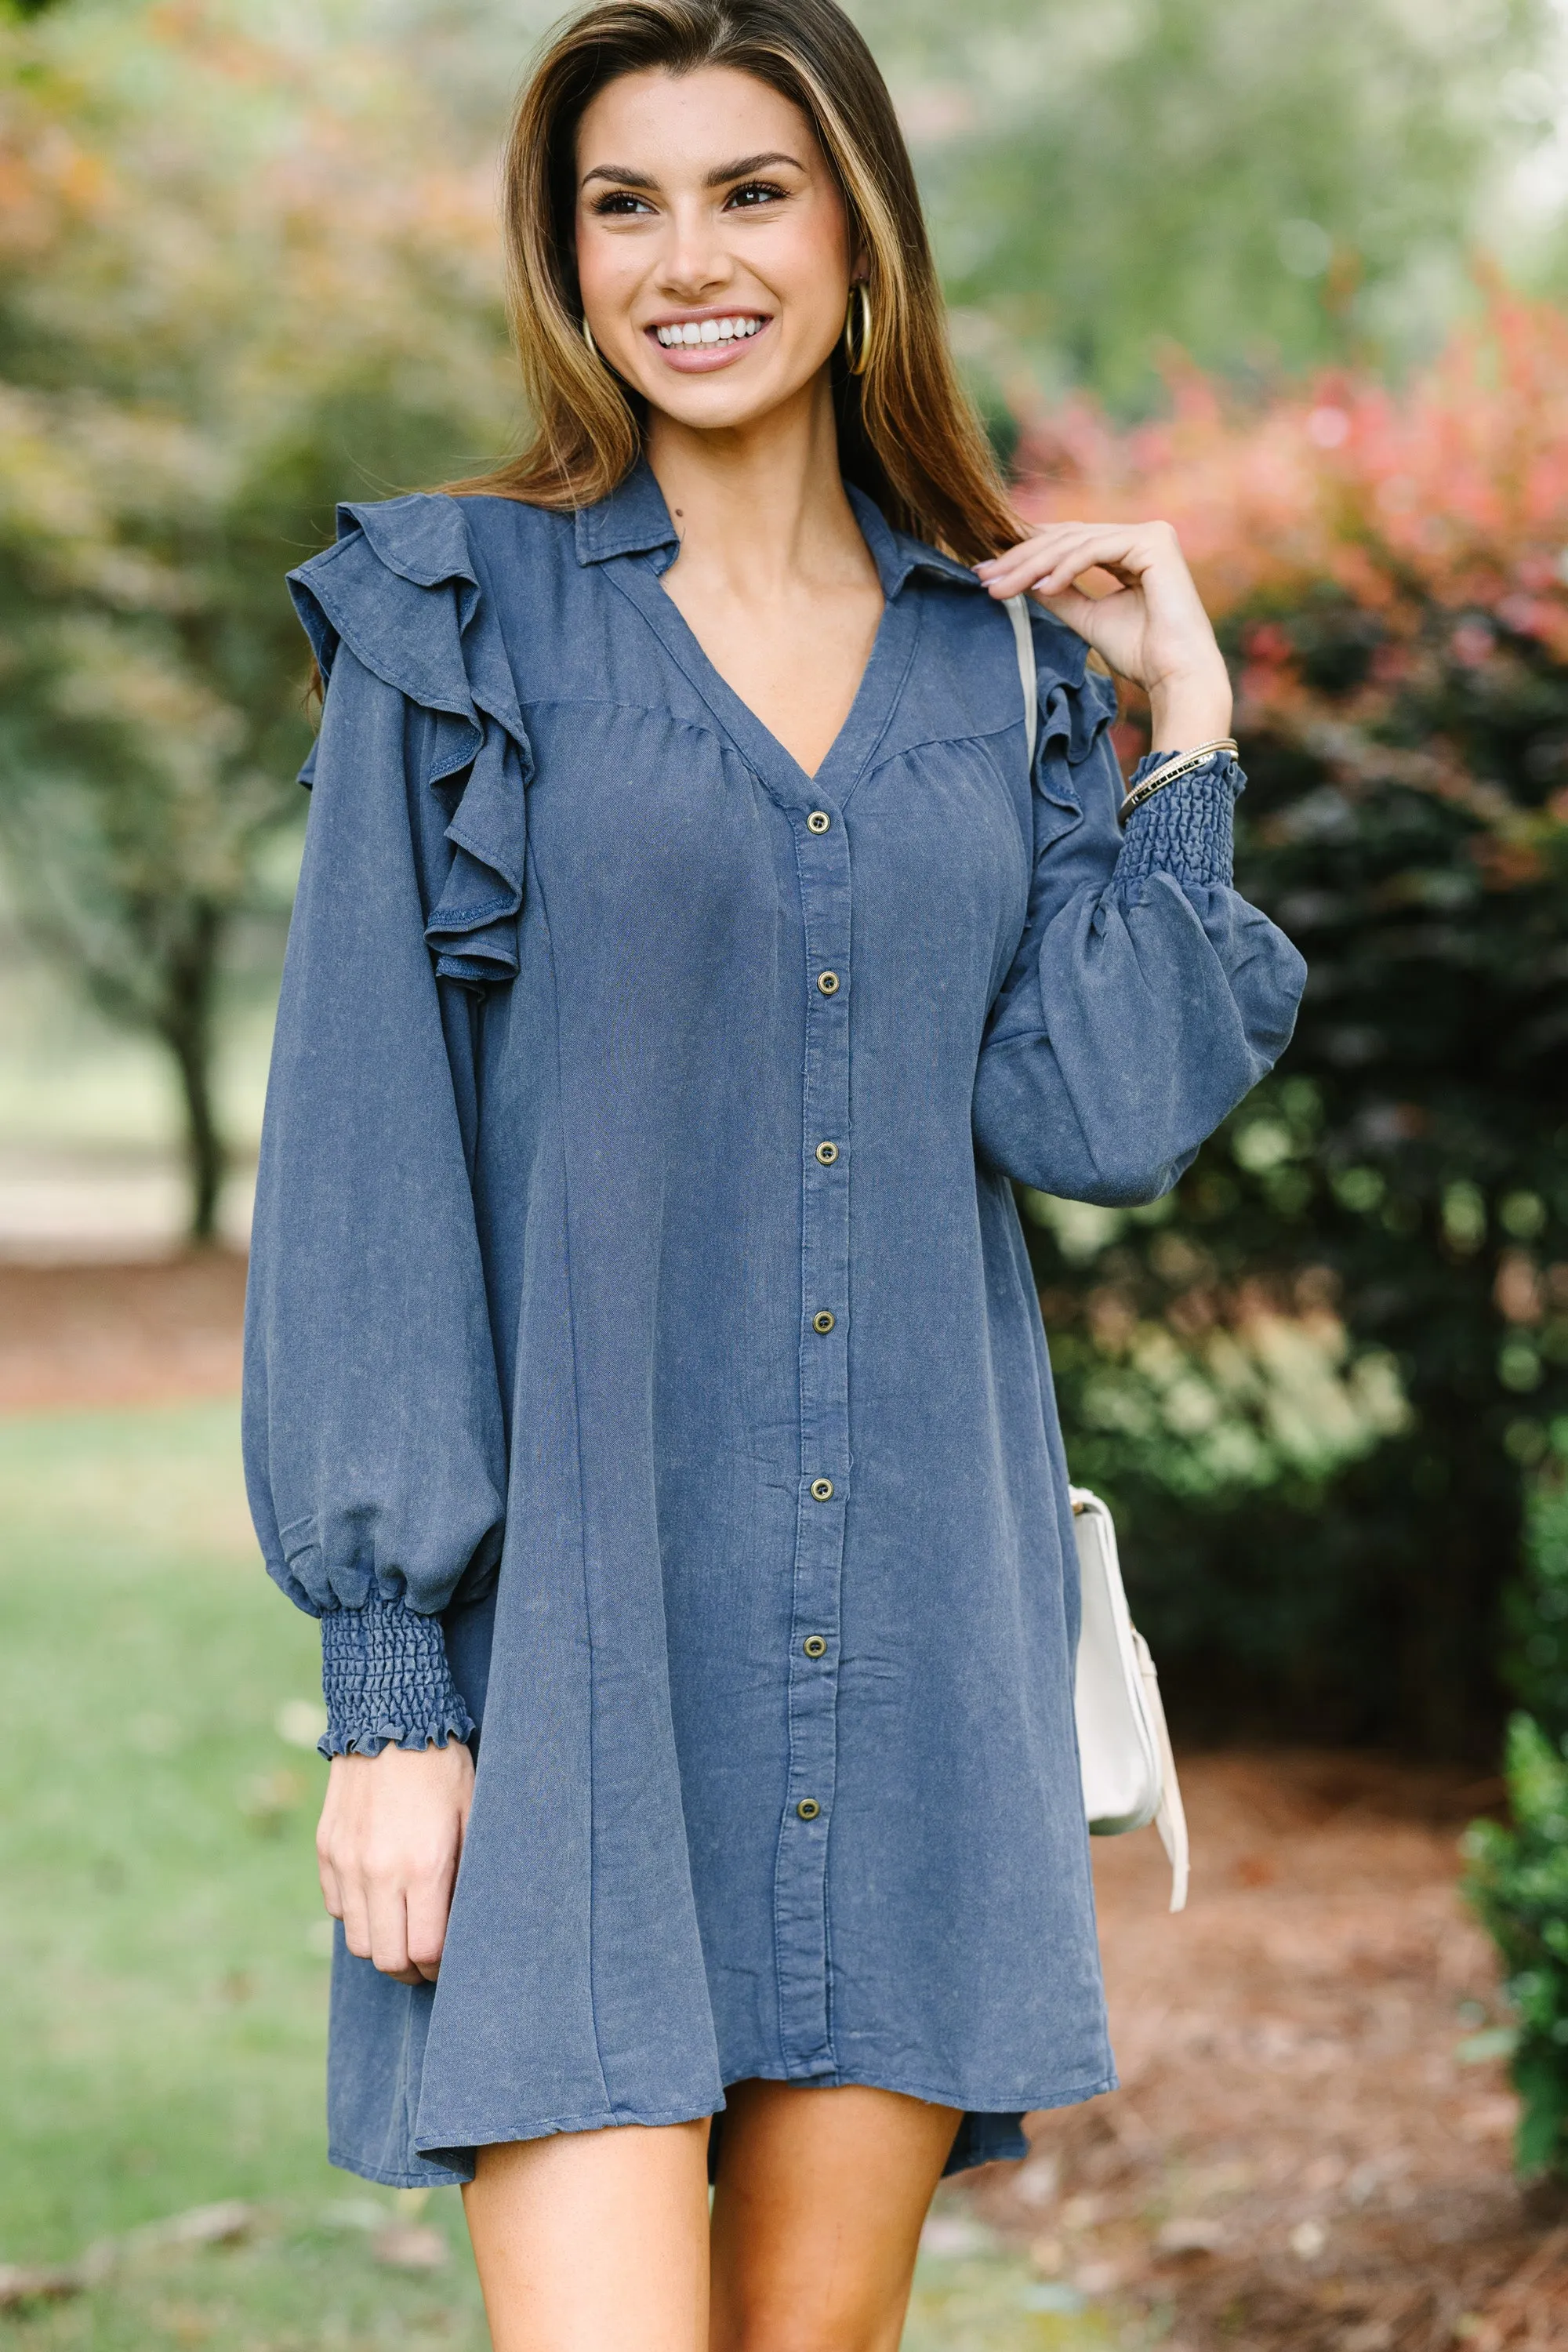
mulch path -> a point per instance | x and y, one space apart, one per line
1301 2158
148 1333
1299 2155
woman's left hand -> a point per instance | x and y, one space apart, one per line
1151 627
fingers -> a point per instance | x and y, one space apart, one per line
1078 611
403 1926
331 1893
1055 564
387 1848
1133 543
376 1899
355 1915
1051 559
387 1910
1151 627
425 1933
326 1832
1049 570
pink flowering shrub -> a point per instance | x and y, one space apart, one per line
1388 570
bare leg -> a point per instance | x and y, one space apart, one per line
595 2241
817 2215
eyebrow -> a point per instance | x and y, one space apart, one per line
626 176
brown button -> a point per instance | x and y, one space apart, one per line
819 821
822 1490
827 1153
823 1322
815 1646
808 1809
829 982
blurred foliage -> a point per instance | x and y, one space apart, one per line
1517 1875
248 264
1535 1656
1268 186
226 286
1389 575
1517 1882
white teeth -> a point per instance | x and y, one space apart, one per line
708 330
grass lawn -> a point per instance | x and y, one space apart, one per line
161 1942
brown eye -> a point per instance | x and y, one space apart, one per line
754 192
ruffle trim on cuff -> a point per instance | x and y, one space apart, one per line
387 1681
1185 829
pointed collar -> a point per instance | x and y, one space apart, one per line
635 521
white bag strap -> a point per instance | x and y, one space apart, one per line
1029 677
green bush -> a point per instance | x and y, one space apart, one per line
1517 1879
1517 1882
1322 1550
1535 1610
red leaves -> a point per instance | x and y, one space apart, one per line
1453 492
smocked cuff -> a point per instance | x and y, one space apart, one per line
385 1679
1185 828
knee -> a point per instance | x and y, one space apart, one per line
802 2332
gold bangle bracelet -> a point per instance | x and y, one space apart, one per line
1180 763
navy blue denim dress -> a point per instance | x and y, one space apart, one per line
642 1357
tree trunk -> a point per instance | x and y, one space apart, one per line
186 1029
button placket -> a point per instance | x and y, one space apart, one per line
800 1883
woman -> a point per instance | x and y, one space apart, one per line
642 1353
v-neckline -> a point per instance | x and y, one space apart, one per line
876 696
810 775
630 535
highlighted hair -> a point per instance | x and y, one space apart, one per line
908 436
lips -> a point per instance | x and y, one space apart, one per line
698 342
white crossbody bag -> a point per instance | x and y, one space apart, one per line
1124 1749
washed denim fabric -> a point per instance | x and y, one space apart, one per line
642 1357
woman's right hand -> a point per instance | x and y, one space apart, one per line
387 1848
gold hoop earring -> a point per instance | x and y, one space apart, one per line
588 336
857 345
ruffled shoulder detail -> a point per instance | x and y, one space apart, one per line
401 590
1075 701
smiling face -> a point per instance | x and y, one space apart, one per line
712 247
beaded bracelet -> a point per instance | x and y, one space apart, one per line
1181 763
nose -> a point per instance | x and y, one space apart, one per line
693 264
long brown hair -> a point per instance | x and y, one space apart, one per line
907 434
